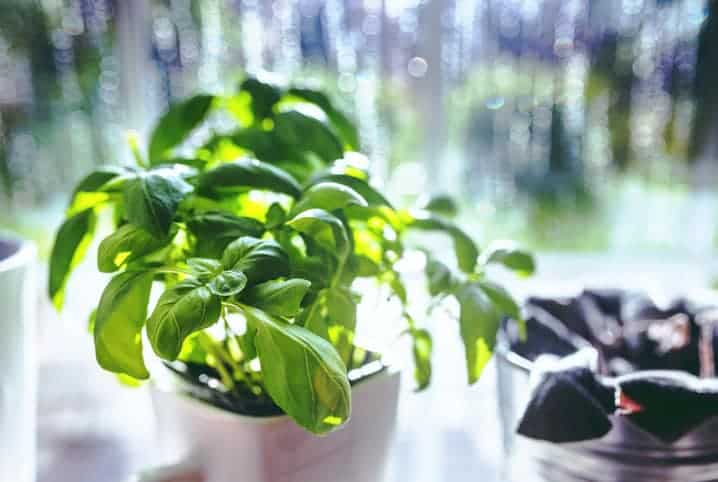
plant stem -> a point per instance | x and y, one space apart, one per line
212 347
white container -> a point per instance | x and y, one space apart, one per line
17 361
221 446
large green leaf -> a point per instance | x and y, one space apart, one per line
215 230
118 324
479 321
86 193
278 297
248 174
465 249
346 129
183 309
69 249
126 244
176 125
264 96
323 227
259 259
303 132
152 198
511 256
328 196
302 373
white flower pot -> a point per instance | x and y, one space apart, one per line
17 361
225 447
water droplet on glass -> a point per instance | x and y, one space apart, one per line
417 67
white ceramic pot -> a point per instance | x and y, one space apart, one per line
17 360
221 446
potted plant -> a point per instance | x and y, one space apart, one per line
252 216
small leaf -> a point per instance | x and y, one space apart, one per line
367 192
71 242
328 196
259 259
151 200
264 96
183 309
278 298
275 216
204 269
509 255
248 174
176 125
306 133
439 277
215 230
442 205
126 244
421 349
118 324
323 227
479 321
228 283
341 123
302 373
464 247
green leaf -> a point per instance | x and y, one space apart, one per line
259 259
333 307
278 298
442 205
248 174
464 247
264 96
421 349
505 304
228 283
479 321
275 216
346 129
71 242
306 133
120 317
361 187
176 125
204 269
126 244
509 255
183 309
323 227
501 298
341 309
215 230
86 193
439 277
302 373
328 196
151 200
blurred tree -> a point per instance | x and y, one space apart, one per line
705 87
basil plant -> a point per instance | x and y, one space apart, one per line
251 218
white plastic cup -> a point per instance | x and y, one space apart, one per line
17 360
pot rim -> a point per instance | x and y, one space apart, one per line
210 410
24 253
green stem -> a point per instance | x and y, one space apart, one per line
213 349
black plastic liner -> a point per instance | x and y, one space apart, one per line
633 337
